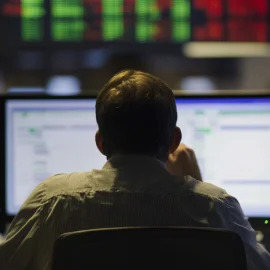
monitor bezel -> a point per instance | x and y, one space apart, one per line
257 222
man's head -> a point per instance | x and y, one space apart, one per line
136 114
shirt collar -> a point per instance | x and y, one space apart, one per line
131 161
142 172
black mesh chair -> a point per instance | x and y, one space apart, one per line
150 248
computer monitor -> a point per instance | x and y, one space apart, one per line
231 139
230 136
46 137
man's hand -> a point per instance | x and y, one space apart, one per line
183 162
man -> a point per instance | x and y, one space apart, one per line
142 183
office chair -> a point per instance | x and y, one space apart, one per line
150 247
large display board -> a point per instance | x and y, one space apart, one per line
134 21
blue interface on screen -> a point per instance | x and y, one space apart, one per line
231 138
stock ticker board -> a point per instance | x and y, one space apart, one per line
135 21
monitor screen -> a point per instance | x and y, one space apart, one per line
46 137
231 139
230 136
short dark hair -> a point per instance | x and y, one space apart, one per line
136 114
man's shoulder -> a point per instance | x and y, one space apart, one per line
205 189
68 184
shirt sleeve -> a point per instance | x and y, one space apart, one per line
230 216
21 246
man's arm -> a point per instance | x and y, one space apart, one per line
183 162
22 245
228 214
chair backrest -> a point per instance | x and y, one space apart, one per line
139 248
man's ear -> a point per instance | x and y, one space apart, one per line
176 139
99 142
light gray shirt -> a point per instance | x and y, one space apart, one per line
128 191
